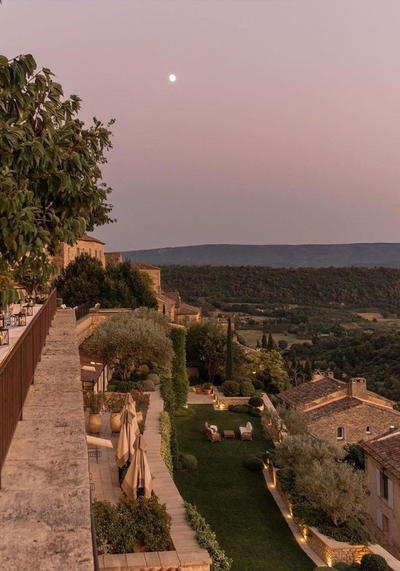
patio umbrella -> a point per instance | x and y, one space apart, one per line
138 474
128 433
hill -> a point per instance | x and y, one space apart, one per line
275 256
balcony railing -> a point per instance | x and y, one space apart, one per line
82 310
18 370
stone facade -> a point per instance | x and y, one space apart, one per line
113 257
362 422
153 272
84 245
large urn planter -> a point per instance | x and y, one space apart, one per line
199 390
115 421
95 423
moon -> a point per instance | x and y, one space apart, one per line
172 78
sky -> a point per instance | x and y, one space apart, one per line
283 126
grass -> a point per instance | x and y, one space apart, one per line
235 501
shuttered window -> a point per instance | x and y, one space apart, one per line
379 519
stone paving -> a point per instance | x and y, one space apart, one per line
45 496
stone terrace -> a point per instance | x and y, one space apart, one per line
45 495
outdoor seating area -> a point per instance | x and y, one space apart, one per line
245 430
13 322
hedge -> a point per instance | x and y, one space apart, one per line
207 539
165 431
180 381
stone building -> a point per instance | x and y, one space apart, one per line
113 257
84 245
382 468
342 412
153 272
182 312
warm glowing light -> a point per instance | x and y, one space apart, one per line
302 540
172 78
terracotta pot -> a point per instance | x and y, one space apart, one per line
207 391
115 421
199 391
95 423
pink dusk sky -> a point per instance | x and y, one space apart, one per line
283 126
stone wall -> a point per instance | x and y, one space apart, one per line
332 551
224 402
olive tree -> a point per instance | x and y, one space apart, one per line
50 170
126 341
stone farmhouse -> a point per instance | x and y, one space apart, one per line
382 468
341 412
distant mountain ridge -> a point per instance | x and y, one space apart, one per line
275 256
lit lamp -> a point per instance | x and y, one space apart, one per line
28 310
4 334
30 300
20 319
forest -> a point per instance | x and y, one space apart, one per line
219 285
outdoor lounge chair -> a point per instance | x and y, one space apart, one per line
246 431
213 436
213 427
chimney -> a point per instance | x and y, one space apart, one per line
357 387
329 374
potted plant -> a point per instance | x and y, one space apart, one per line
94 402
199 390
207 388
257 402
114 405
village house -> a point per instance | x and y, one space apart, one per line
84 245
382 468
342 412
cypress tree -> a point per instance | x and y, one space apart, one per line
180 382
258 346
163 309
271 343
229 353
308 371
264 341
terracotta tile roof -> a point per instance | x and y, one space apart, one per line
386 450
163 569
165 299
143 266
333 407
186 309
308 392
86 238
173 295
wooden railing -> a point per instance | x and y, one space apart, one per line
82 310
17 372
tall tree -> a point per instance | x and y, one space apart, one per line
180 381
229 352
271 346
50 170
264 344
269 367
308 372
258 346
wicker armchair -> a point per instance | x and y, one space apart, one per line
246 431
213 427
213 436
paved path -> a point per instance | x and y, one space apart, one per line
194 398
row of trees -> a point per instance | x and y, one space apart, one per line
50 172
118 285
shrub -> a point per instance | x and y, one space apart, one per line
111 388
254 463
342 566
258 385
352 532
148 385
144 369
207 386
165 431
93 402
207 539
255 412
167 392
256 401
186 462
115 402
153 377
372 562
231 389
141 401
242 379
247 389
241 409
119 528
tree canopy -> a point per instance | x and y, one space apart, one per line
50 170
119 285
269 367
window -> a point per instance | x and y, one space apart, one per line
340 433
385 523
385 486
368 430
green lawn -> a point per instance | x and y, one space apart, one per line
235 501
